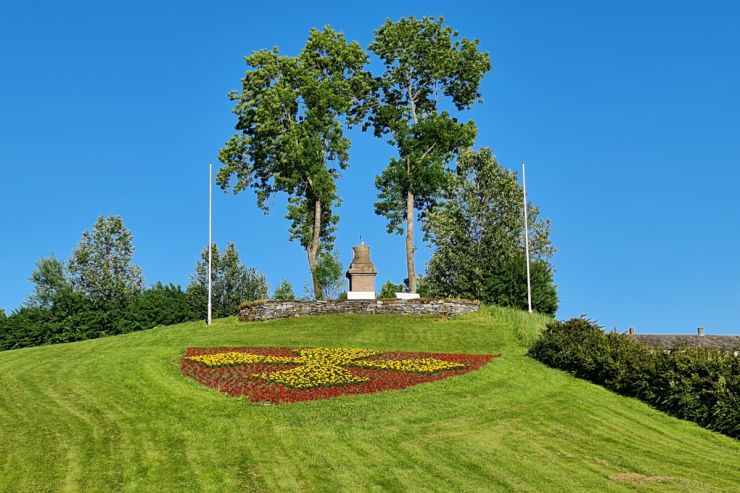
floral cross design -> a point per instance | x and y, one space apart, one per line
324 367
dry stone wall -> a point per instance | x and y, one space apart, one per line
268 310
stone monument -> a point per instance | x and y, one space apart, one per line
361 274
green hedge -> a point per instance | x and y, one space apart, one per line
73 318
693 383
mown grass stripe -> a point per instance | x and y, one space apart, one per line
116 414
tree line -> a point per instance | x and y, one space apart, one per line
99 291
292 114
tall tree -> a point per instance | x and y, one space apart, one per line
101 265
425 64
49 279
291 113
233 282
479 224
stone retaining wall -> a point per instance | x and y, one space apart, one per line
268 310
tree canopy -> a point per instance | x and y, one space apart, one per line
331 275
100 293
101 265
232 282
291 113
48 279
477 231
504 282
425 64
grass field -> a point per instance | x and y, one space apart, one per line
116 414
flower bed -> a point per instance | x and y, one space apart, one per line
281 375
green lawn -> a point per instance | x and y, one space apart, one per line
115 414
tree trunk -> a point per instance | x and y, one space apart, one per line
313 250
410 241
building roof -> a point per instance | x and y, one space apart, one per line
671 341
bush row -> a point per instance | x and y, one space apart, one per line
693 383
72 317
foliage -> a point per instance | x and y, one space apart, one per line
389 290
330 274
67 316
232 283
694 383
100 294
162 304
477 232
49 279
72 317
283 292
424 287
24 327
505 283
81 319
291 113
425 66
100 266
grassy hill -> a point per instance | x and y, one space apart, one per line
117 414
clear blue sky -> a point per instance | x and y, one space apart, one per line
627 113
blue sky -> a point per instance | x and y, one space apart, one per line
627 114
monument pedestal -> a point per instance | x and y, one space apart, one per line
361 274
360 295
407 296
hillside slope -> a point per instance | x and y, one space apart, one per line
117 414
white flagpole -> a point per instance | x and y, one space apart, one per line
210 215
526 238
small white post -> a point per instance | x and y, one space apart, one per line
210 215
526 238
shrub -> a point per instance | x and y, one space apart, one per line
389 290
73 317
159 305
24 327
505 284
284 292
693 383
